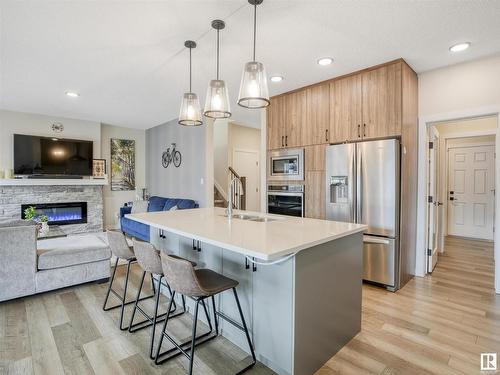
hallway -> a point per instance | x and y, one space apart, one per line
435 325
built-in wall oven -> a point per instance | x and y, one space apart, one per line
285 200
286 164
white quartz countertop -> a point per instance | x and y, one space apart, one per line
262 240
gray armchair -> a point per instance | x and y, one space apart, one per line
18 258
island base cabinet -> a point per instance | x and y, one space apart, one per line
273 315
327 301
299 312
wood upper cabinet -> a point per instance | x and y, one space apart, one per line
317 124
314 158
276 123
346 109
295 118
381 90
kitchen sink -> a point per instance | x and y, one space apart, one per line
259 219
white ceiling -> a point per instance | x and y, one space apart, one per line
126 58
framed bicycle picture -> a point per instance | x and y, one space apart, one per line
99 168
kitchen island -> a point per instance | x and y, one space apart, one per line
300 279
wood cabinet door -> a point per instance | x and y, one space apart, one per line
295 118
381 90
315 194
345 109
314 158
318 115
276 123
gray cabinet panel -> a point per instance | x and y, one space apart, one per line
273 315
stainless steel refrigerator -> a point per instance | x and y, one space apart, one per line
362 186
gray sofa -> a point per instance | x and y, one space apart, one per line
28 267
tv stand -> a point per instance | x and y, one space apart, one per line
49 177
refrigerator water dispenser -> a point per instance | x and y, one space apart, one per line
339 192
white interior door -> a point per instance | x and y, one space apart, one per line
246 164
471 191
432 205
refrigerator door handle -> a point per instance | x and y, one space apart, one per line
381 241
353 187
359 188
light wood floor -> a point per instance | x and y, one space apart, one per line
435 325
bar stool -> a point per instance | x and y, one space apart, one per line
199 285
149 260
121 250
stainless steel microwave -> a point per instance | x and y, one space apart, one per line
286 164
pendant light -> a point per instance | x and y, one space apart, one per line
190 113
217 101
253 88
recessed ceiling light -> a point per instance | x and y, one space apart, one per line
276 78
72 94
460 47
325 61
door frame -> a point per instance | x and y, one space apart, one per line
253 151
421 242
434 137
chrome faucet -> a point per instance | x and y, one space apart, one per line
229 209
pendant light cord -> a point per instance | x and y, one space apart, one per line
254 28
190 69
217 54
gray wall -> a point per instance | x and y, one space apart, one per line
172 182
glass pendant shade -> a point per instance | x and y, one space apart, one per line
190 113
253 88
217 102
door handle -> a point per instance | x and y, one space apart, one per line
379 241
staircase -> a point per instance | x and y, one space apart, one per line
219 200
239 197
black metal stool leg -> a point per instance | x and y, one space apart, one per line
158 292
246 332
110 285
163 330
125 296
206 314
136 301
193 340
153 284
215 316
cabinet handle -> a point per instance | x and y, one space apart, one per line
254 266
359 131
326 135
194 245
247 265
199 246
282 141
286 140
364 130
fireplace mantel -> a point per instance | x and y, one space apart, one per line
53 182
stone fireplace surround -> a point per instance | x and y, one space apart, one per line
12 197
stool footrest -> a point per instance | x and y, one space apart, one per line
230 320
121 299
180 348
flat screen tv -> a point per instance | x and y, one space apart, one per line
46 156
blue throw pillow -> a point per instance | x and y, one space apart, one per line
184 204
169 203
156 204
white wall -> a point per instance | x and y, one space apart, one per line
113 200
220 147
460 91
187 181
35 124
